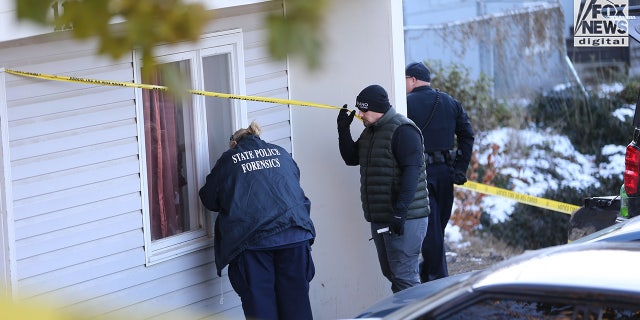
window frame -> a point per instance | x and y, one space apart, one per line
230 43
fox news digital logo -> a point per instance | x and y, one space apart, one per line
601 23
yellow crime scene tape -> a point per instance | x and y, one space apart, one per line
469 185
519 197
163 88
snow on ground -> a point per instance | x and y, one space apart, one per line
537 160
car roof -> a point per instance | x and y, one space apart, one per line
569 265
593 266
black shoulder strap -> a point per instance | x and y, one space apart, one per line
433 110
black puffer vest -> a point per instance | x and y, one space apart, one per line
380 174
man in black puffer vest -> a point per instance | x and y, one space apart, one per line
393 186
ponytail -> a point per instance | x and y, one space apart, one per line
253 129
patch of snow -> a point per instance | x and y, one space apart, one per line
538 160
624 112
604 90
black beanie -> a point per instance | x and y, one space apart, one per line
418 71
373 98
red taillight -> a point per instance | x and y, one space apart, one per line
631 169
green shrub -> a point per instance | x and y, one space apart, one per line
630 92
476 97
587 121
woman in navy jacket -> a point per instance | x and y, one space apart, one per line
263 230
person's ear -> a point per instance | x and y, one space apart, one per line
232 144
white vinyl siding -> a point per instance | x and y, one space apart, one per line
7 256
75 184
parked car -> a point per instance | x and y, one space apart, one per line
574 281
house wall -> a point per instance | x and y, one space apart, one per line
363 46
75 181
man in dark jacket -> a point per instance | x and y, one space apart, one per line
393 186
263 230
443 123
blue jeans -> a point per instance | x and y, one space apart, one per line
398 255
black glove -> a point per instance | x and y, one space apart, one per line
397 224
344 118
459 177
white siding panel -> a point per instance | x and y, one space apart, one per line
77 254
254 106
51 202
285 143
72 275
116 291
84 64
172 305
77 215
276 131
255 39
76 235
75 177
14 54
265 83
67 101
31 87
72 139
271 115
63 121
180 288
258 67
212 307
72 158
247 18
255 50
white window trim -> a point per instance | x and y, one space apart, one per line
225 42
8 274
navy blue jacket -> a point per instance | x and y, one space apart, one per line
255 188
450 121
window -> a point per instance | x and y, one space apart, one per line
183 136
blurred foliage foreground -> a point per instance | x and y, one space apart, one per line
592 123
144 24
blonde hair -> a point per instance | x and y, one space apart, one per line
253 129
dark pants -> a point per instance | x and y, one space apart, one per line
440 185
274 284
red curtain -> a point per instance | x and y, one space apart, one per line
161 145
